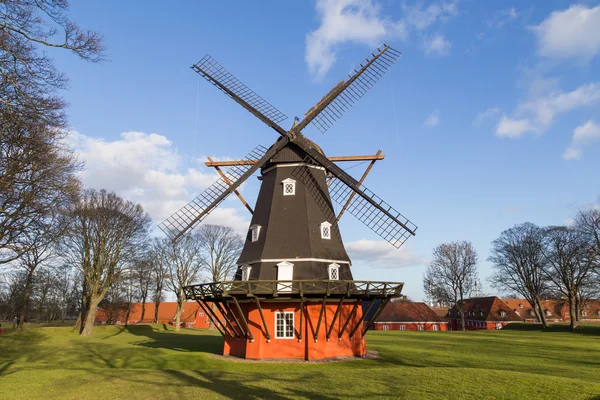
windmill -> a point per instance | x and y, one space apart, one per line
294 276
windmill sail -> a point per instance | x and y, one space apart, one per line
343 96
196 210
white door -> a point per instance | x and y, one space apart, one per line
285 272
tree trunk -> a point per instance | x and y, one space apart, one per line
178 315
127 314
156 305
26 297
539 310
91 316
462 318
143 308
573 312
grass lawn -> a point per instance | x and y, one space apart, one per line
154 362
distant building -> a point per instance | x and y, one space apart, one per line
409 316
554 310
192 315
483 313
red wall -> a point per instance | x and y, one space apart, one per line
306 348
455 325
410 326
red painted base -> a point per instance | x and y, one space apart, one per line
294 348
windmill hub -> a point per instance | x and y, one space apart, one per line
294 277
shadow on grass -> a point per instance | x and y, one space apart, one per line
592 329
168 339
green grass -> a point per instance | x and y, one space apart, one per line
154 362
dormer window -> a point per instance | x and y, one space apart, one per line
255 229
517 312
334 272
246 272
584 314
548 313
325 230
289 187
520 305
481 313
503 313
532 313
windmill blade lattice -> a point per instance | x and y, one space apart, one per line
363 78
374 218
187 217
214 72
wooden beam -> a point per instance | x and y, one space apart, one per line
227 181
378 156
362 179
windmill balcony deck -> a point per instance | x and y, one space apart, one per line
365 290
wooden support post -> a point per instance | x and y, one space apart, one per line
227 322
372 320
320 318
215 322
301 315
356 303
337 312
237 305
362 179
237 322
262 317
227 181
362 318
224 326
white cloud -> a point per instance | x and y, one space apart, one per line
487 114
363 22
145 168
432 120
437 45
381 254
502 17
538 113
581 136
513 128
573 33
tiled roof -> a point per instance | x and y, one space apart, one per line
442 312
401 311
486 309
558 308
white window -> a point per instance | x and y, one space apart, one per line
385 327
334 272
420 327
402 327
502 313
548 313
498 325
520 305
285 272
246 272
584 314
255 232
284 325
289 187
325 230
436 328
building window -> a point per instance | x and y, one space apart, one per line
325 230
284 325
334 272
436 328
289 187
402 327
246 272
584 314
255 232
498 325
385 327
502 313
548 313
285 272
517 312
420 327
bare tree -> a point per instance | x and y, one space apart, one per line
569 265
519 264
220 247
141 273
452 274
588 223
184 261
104 237
36 169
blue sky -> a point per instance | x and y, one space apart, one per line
490 118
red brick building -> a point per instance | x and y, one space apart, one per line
191 317
409 316
554 310
483 313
